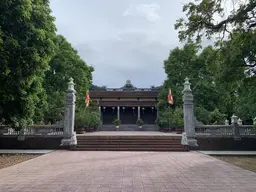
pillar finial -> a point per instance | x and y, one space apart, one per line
239 122
254 121
71 84
187 84
234 119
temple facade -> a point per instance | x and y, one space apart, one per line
127 103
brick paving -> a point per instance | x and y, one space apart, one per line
73 171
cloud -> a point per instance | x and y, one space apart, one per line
132 46
145 10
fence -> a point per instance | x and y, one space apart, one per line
227 131
33 130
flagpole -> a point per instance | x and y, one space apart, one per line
169 117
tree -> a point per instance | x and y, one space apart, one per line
27 31
65 64
234 64
201 20
238 45
188 62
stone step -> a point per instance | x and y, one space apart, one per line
132 149
129 143
129 138
129 146
133 142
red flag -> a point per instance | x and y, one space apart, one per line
170 98
87 99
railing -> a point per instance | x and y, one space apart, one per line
214 131
227 131
33 130
247 131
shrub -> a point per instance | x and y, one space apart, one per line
116 122
87 118
139 122
177 118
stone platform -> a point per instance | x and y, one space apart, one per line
129 133
130 127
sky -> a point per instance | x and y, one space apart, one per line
122 39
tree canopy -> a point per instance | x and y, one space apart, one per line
26 47
35 64
65 64
222 75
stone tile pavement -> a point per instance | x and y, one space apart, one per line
81 171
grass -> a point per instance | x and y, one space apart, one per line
7 160
245 162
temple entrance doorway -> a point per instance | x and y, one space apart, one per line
128 115
148 115
109 114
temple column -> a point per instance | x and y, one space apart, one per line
100 113
138 112
118 112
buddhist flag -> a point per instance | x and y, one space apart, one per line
87 99
170 98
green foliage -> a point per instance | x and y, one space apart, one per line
188 62
164 118
201 15
202 115
246 101
27 31
171 117
87 118
139 122
233 64
177 118
216 117
64 65
117 122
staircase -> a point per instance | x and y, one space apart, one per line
129 127
129 143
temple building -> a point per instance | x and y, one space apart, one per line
127 103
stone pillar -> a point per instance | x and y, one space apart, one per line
138 112
100 113
234 121
118 112
188 110
69 135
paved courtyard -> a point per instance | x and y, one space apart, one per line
73 171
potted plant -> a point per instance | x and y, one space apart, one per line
139 123
117 122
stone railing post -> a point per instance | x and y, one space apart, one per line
69 137
189 118
234 121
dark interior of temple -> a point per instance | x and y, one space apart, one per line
128 115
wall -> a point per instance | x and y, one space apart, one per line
226 144
11 142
